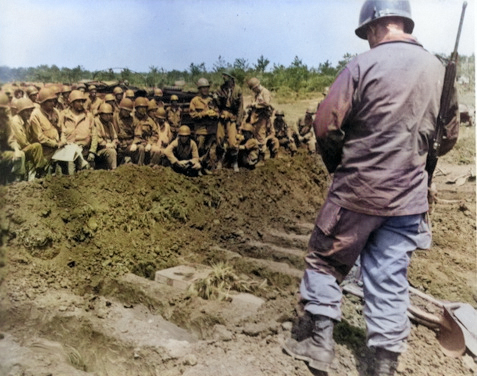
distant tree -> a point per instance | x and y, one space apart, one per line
220 64
347 57
327 69
241 64
261 64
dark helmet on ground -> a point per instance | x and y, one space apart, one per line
184 130
373 10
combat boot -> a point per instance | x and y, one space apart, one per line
386 362
318 349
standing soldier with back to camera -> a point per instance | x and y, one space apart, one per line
230 100
374 131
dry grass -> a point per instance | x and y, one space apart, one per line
221 280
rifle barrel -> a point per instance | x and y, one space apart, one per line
464 6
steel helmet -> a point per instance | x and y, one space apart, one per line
158 92
24 104
247 127
130 93
160 113
31 90
253 82
375 9
57 88
45 94
126 104
109 97
66 89
105 108
118 90
202 82
152 105
228 73
4 101
174 97
184 130
141 102
279 113
91 88
76 95
311 110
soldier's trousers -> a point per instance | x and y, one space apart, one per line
34 158
385 245
207 145
107 157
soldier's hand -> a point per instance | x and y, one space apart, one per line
133 147
148 147
432 196
17 154
61 144
91 157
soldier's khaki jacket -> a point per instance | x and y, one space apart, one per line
103 134
78 130
19 130
204 115
7 137
145 131
125 128
173 116
164 135
44 128
91 106
177 152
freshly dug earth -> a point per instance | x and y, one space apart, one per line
80 254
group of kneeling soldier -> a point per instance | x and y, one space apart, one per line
59 129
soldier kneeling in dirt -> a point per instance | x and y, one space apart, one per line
306 134
183 153
249 147
283 132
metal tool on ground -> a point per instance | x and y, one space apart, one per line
456 324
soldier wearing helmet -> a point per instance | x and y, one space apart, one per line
77 125
12 158
306 134
32 93
125 126
110 99
57 90
93 101
203 111
183 153
230 102
63 98
35 163
130 94
283 132
105 140
118 96
248 147
374 130
164 138
145 132
157 97
174 115
259 113
81 87
44 123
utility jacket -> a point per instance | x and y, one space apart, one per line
379 120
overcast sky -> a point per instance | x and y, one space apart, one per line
172 34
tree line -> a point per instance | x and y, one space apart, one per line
294 78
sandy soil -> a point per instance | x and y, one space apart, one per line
79 255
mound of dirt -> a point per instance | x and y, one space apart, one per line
79 254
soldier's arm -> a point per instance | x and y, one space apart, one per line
169 152
37 135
